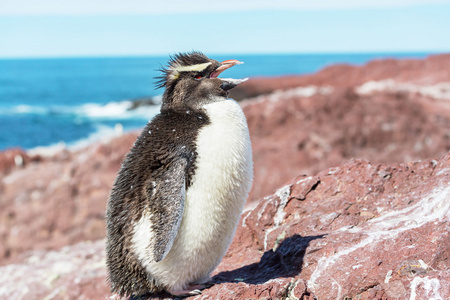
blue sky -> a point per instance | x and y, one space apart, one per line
55 28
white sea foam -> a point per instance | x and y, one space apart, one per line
111 110
102 134
23 109
116 110
98 115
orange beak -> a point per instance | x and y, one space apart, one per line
225 65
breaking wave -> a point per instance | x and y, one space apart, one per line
113 110
101 134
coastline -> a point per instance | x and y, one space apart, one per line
349 146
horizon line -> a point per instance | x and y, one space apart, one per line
371 52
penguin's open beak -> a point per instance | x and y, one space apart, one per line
227 83
225 65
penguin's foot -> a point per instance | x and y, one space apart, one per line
191 290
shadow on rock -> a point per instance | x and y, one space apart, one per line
285 261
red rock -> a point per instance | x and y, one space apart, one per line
12 158
60 200
73 272
320 131
309 240
327 243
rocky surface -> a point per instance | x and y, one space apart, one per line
356 231
387 112
72 272
308 129
59 200
12 158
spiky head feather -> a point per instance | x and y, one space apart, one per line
182 62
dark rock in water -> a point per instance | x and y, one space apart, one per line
140 102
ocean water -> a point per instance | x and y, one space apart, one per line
73 101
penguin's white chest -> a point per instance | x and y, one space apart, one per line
215 199
223 176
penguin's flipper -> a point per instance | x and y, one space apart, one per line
156 231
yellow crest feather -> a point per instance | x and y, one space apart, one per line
198 68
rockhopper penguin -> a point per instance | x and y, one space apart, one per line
179 194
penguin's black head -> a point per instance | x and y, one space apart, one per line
190 80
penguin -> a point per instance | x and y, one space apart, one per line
178 196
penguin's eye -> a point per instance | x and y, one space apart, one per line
198 77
